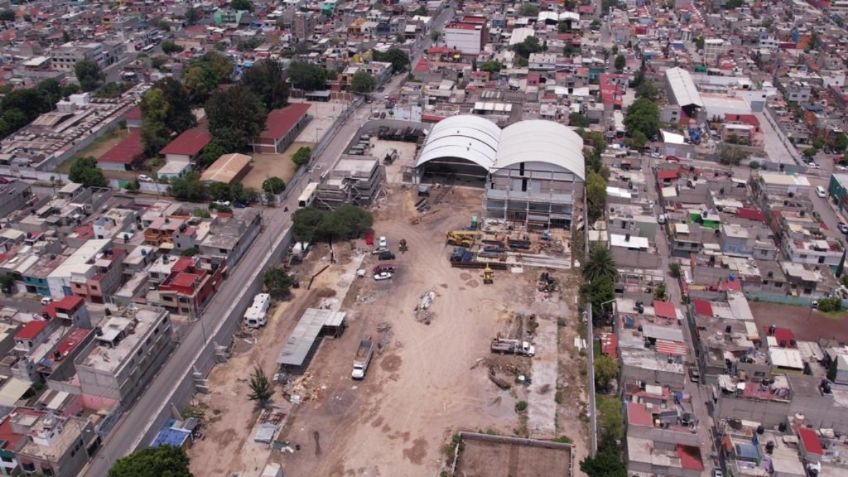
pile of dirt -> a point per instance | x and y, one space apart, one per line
422 310
505 370
303 389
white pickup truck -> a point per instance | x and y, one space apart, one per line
362 359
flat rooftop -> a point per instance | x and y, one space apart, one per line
129 332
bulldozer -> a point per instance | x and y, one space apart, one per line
488 275
402 247
462 238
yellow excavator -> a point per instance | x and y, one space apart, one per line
488 275
462 238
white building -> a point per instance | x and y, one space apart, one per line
80 264
713 49
464 37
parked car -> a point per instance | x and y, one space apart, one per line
386 256
46 300
222 203
842 227
144 178
821 192
382 275
382 242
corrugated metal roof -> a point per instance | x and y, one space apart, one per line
303 338
683 88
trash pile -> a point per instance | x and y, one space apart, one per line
303 389
547 283
422 312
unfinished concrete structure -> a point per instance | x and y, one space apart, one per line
532 170
355 180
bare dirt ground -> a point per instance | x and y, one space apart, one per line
430 380
808 325
97 148
228 415
406 157
490 459
269 165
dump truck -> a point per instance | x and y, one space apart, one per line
508 346
362 359
462 238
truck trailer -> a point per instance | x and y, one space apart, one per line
362 359
508 346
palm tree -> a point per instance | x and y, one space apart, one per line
600 264
260 387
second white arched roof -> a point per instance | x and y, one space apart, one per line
536 140
482 142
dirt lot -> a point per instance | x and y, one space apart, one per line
808 325
490 459
268 165
97 148
406 157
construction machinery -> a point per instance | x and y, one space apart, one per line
402 246
462 238
488 275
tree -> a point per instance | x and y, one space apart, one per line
169 47
564 27
435 35
88 74
525 48
307 76
154 112
606 371
69 89
192 15
599 265
302 156
7 282
51 92
638 141
699 43
578 120
840 142
529 10
158 62
674 270
244 5
660 292
595 25
620 63
84 171
7 16
596 195
610 422
643 115
606 463
598 292
219 191
345 223
153 462
205 74
810 152
188 187
733 4
362 82
277 282
829 304
397 57
268 81
179 117
273 185
236 116
491 66
305 222
647 89
209 154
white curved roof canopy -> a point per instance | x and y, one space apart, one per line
536 140
465 137
482 142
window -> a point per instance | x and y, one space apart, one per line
28 466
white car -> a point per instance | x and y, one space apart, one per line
46 300
384 275
382 242
222 203
144 178
821 192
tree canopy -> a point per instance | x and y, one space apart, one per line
188 187
307 76
362 82
643 115
273 185
302 156
20 106
169 47
606 463
606 371
600 264
162 461
620 63
236 116
84 171
596 195
244 5
267 80
344 223
578 120
525 48
397 57
529 10
154 112
203 75
88 74
277 282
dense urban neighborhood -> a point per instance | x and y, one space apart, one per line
260 238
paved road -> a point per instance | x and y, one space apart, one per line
126 435
676 297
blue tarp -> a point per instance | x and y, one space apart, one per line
170 436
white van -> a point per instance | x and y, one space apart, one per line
821 192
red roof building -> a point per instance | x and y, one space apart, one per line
690 458
30 335
811 448
281 128
187 145
664 309
125 154
702 307
189 286
638 415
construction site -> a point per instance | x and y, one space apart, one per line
487 344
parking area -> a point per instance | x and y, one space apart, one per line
322 117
